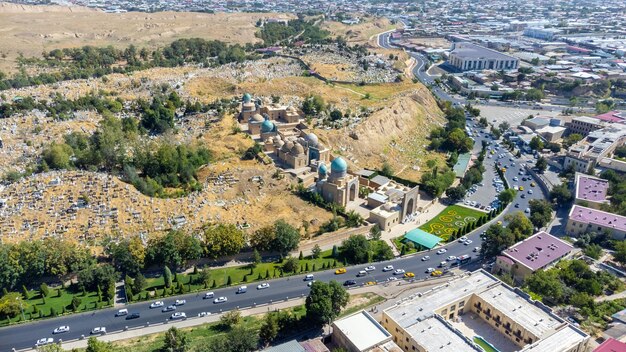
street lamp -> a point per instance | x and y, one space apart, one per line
21 308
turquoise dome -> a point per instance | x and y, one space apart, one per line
339 165
267 126
322 170
247 98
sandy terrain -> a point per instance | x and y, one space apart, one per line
359 33
30 30
439 43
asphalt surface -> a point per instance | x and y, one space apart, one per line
24 336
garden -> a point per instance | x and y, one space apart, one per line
453 220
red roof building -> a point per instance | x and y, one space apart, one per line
611 345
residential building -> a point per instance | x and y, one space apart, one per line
537 252
598 145
590 191
611 345
585 220
360 332
551 133
541 33
453 316
583 125
467 56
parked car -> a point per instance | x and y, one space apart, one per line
436 273
101 330
409 275
204 314
178 315
44 341
349 283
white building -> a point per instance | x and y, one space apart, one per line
467 56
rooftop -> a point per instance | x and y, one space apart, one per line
591 188
362 330
611 116
289 346
565 339
611 345
435 335
469 50
587 119
538 251
597 217
422 238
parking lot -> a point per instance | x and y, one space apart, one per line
514 116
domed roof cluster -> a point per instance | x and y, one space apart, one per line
247 98
312 140
297 149
322 170
258 118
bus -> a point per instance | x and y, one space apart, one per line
463 259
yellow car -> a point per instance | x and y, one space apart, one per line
532 184
504 169
499 222
370 283
521 188
409 275
436 273
492 152
340 271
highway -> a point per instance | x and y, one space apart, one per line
24 336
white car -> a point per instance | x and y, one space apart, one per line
169 308
263 286
204 314
462 239
220 299
178 315
370 268
451 258
468 242
101 330
180 302
208 295
527 211
442 251
430 270
425 258
398 272
157 304
44 341
476 249
388 268
61 329
392 278
310 283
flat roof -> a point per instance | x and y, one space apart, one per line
611 116
597 217
434 335
587 119
461 164
380 180
423 238
538 250
470 50
611 345
362 330
564 339
521 311
289 346
377 197
365 173
621 316
591 188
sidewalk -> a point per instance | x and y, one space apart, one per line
391 291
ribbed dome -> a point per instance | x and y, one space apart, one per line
297 149
257 118
312 139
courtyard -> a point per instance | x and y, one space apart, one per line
470 325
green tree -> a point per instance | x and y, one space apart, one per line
167 277
10 304
561 195
176 341
536 143
139 283
256 258
542 164
325 301
456 193
223 240
230 319
263 238
45 291
540 212
545 283
383 252
290 265
519 226
375 233
507 195
76 303
356 249
269 329
287 237
57 156
238 339
354 219
95 345
335 252
316 251
620 251
496 240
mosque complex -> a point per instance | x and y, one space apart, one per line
288 141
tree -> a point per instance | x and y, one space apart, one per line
386 170
456 193
269 329
542 164
496 240
263 238
290 265
57 156
76 303
316 251
95 345
324 302
256 258
536 143
238 339
519 226
383 252
540 212
353 219
545 283
223 240
504 126
230 319
507 195
375 233
335 252
176 341
561 195
167 277
620 251
356 249
128 255
174 249
287 237
10 304
51 348
139 283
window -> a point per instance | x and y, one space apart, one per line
444 312
453 307
461 304
407 339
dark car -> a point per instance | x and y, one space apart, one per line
349 283
132 316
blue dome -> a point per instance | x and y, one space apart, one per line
338 165
267 126
322 170
247 98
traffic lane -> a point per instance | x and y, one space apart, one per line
24 336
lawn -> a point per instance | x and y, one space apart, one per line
450 219
484 345
399 244
60 299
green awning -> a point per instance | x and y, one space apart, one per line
422 238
